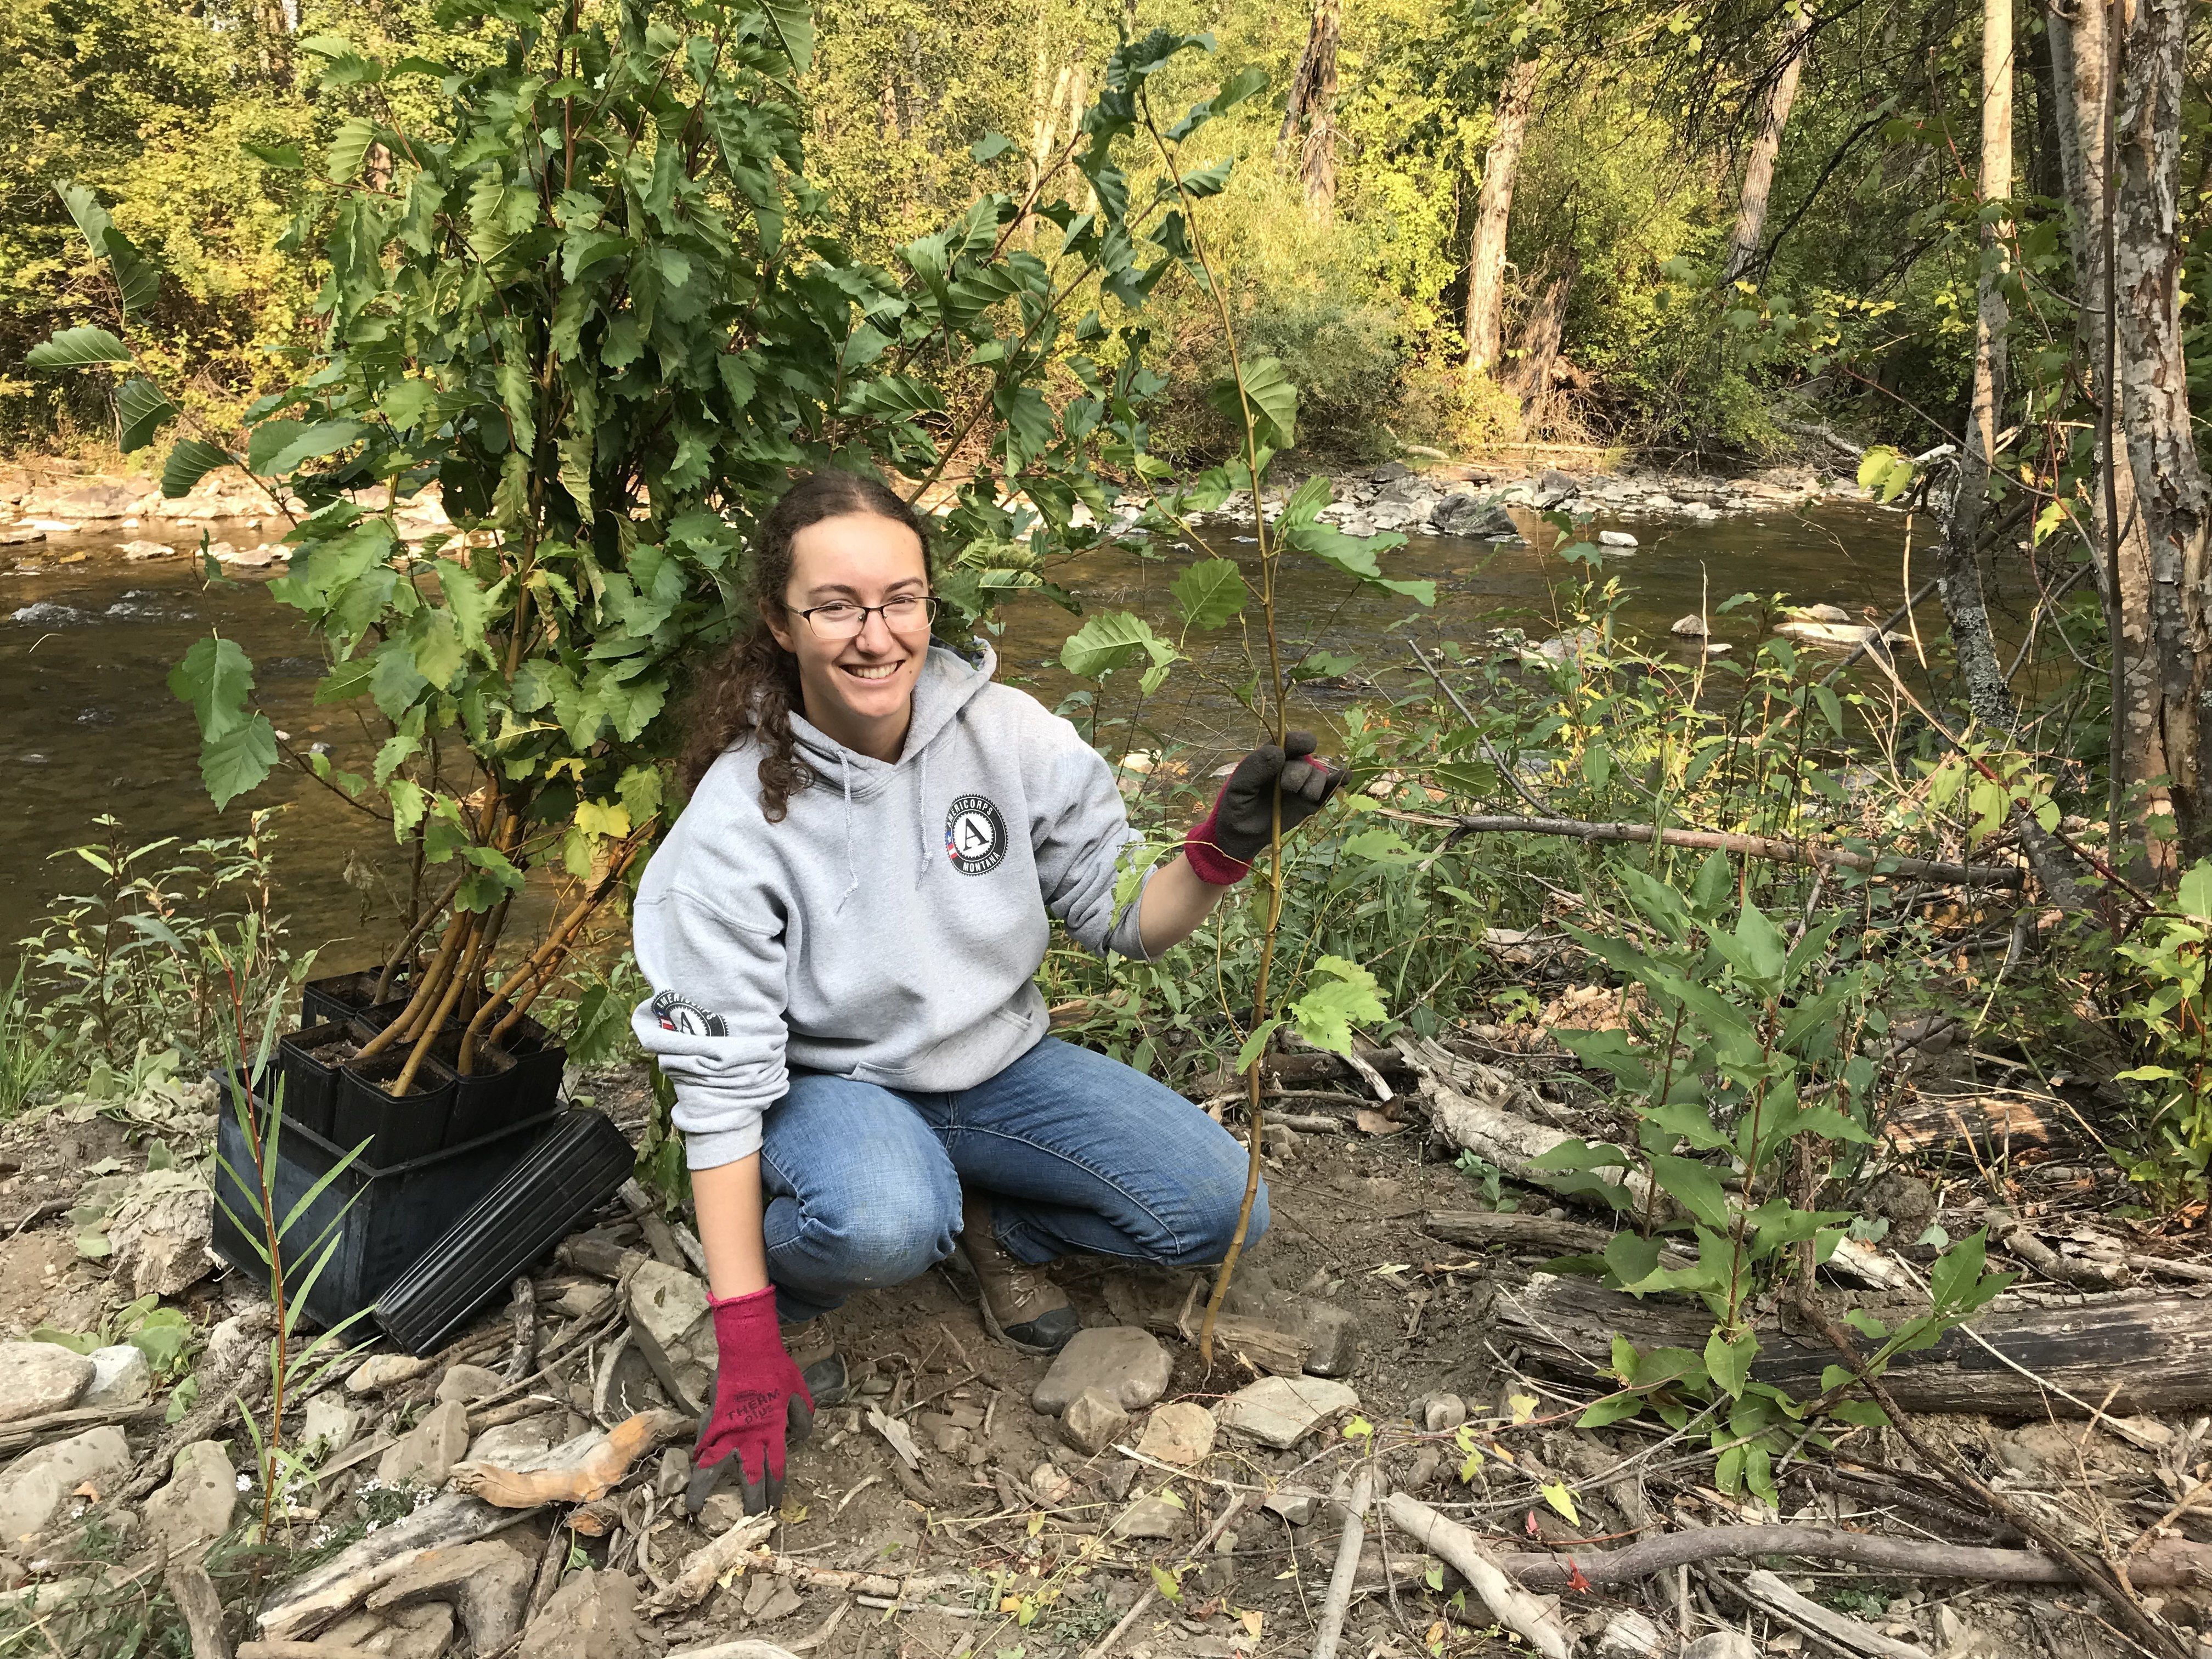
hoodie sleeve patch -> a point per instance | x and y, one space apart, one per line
680 1013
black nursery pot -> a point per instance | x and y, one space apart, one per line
396 1129
311 1085
346 996
503 1086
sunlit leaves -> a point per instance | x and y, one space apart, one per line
237 749
1346 994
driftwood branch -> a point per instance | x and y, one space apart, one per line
1338 1600
1713 840
1534 1619
2173 1563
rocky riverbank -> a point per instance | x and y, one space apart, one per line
53 500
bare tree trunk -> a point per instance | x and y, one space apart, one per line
1536 352
2081 86
2153 395
1960 576
1987 694
1312 105
1493 209
1758 169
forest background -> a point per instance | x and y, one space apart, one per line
1574 195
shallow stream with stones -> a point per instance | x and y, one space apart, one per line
95 611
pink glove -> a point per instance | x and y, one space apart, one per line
759 1399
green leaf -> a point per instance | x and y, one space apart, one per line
472 604
91 219
793 23
238 760
1271 396
1248 1051
1108 643
1694 1187
78 348
214 677
279 448
137 282
1326 1013
349 148
1557 1495
189 460
1209 593
140 412
1728 1363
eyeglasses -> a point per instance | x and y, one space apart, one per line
841 619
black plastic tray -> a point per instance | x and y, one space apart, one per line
380 1215
578 1165
345 996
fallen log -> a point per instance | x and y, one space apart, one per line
1520 1230
1770 847
1769 1596
1535 1620
2172 1563
532 1485
2154 1348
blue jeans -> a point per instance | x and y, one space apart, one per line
1077 1152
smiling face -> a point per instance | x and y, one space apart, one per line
859 691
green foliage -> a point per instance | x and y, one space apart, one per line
166 941
2169 1013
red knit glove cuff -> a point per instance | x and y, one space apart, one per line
1207 860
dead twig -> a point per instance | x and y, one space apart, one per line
1338 1602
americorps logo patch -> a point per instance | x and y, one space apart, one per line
975 836
677 1013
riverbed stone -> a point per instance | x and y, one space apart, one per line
593 1616
1443 1413
1179 1432
1126 1365
1692 627
144 550
39 1482
467 1382
1331 1334
1281 1411
1092 1422
1618 539
666 1301
120 1377
197 1506
38 1377
384 1370
1818 613
1464 513
426 1454
330 1423
1157 1516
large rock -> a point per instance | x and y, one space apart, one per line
593 1616
329 1423
487 1583
160 1233
425 1631
467 1382
1281 1411
197 1506
1157 1516
666 1301
1331 1333
1126 1365
426 1454
84 503
37 1484
1181 1433
1620 540
38 1377
1092 1422
1463 513
120 1377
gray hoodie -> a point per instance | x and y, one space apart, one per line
889 929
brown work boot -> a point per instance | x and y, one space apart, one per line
813 1348
1021 1307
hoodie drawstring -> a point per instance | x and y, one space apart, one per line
922 813
852 870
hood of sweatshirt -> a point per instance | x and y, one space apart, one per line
947 684
889 926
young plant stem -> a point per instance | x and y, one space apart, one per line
427 991
549 956
429 914
1274 701
476 930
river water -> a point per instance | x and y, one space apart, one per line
87 725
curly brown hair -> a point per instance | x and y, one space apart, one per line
750 690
